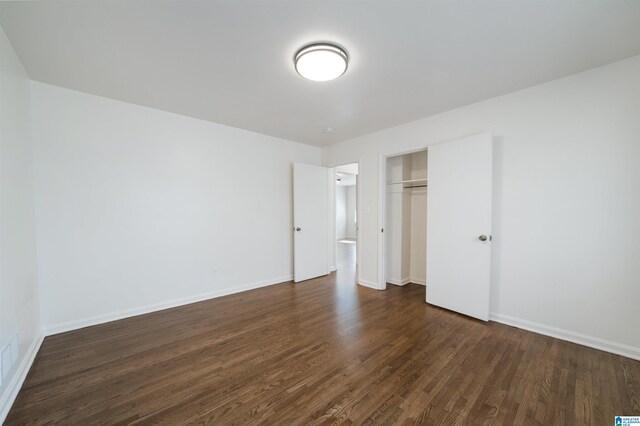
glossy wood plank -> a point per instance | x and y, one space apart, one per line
319 352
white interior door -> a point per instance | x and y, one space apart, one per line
310 221
459 225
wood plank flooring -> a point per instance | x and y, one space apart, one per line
321 352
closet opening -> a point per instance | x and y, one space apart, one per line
405 224
345 239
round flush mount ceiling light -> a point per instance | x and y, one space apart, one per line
321 61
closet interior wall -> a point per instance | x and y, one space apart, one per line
406 219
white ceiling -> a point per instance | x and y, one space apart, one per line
231 62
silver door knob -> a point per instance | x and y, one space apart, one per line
482 238
298 229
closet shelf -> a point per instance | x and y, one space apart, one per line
410 181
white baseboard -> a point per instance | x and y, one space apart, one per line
332 269
369 284
101 319
403 281
418 281
570 336
16 382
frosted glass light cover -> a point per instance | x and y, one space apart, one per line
321 62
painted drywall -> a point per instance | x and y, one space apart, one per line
332 212
350 211
137 207
341 211
418 249
396 270
565 208
19 306
418 244
405 209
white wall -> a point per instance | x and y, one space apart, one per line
350 211
418 248
19 306
136 208
341 211
406 226
331 238
396 244
566 201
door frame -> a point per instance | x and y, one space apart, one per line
358 212
382 208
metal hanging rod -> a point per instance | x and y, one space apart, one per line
407 181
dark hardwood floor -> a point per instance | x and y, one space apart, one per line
319 352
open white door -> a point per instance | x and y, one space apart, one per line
310 221
459 225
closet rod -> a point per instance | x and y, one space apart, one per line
407 181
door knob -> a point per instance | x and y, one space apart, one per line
482 238
298 229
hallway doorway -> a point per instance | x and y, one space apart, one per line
346 220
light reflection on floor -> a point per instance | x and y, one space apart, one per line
347 304
346 265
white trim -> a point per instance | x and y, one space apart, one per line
570 336
332 269
369 284
401 282
418 281
382 204
100 319
16 382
